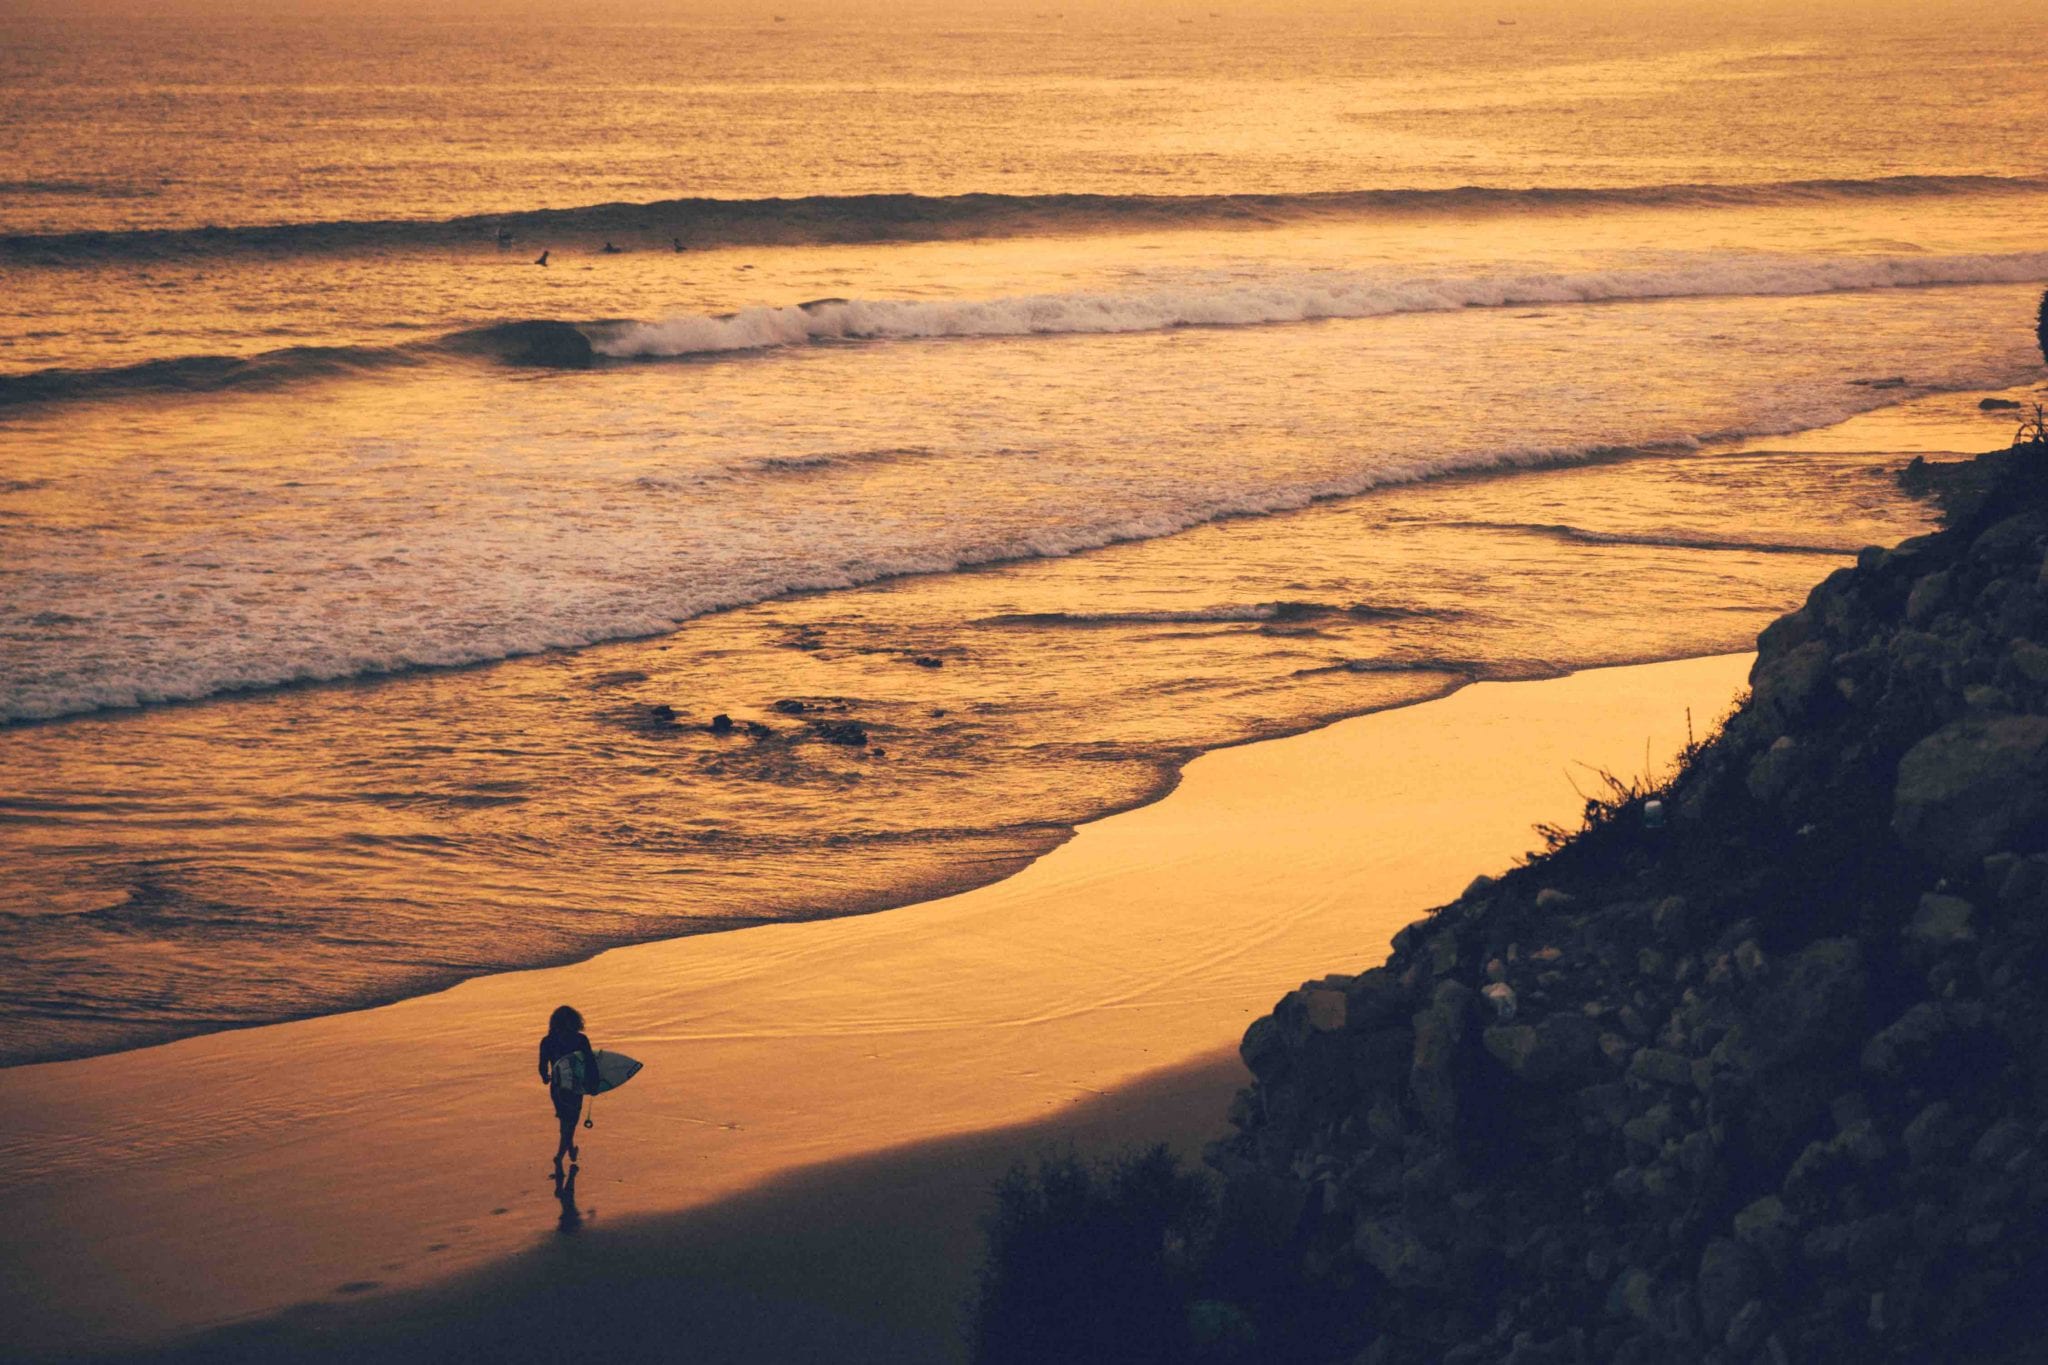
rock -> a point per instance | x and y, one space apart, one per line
1478 887
2011 540
1996 404
1634 1296
1767 1227
662 714
1934 1132
1550 898
1429 1079
2022 880
1942 921
1501 996
1747 1328
1914 1044
1728 1281
844 732
1263 1047
1326 1009
928 661
1815 1004
1863 1244
1652 1128
1376 997
1658 1067
1442 953
1672 918
1987 699
2000 1144
1927 598
2029 660
1518 1048
757 730
790 706
1391 1246
721 724
1783 688
1381 1059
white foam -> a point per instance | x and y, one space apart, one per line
477 518
1302 298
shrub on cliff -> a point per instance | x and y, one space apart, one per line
1090 1263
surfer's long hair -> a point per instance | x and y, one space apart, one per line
565 1021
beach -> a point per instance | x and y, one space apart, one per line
921 565
358 1161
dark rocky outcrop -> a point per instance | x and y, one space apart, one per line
849 733
1762 1079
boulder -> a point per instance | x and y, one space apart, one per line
1928 597
844 732
1815 1004
1728 1280
1326 1009
1519 1048
1658 1067
1942 921
1391 1246
1768 1228
1785 687
1972 788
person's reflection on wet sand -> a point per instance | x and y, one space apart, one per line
565 1191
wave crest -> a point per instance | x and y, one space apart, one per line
1298 299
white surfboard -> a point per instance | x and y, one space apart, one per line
614 1069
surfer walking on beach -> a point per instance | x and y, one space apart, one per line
566 1041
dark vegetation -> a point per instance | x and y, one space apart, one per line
1757 1075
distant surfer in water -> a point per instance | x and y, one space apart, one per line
565 1040
543 259
610 250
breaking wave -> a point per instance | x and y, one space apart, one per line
1299 298
1283 299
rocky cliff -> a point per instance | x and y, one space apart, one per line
1756 1073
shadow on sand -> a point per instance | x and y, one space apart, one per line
866 1260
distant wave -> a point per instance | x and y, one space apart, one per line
824 219
557 345
1283 299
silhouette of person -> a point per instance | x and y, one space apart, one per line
565 1040
678 242
610 250
543 259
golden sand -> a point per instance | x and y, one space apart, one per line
161 1191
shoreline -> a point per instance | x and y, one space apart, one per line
160 1193
940 857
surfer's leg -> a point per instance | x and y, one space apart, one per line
564 1147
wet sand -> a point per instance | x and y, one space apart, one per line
823 1104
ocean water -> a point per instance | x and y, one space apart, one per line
1052 392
